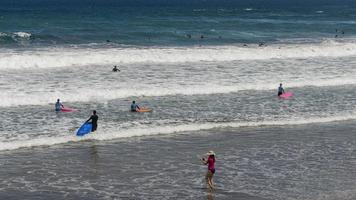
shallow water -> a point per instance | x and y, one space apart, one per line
304 162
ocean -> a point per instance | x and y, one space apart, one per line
209 70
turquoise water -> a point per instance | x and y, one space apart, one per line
199 66
169 23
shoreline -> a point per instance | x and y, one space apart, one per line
167 166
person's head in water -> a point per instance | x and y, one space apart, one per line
94 112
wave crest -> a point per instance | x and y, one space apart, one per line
84 56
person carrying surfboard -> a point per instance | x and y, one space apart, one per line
210 161
134 107
280 90
58 106
94 121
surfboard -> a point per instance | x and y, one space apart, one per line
84 129
286 95
67 109
143 110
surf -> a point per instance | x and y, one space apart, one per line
57 57
104 134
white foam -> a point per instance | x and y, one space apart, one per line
9 99
166 130
76 56
22 34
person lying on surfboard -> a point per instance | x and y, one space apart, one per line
134 107
280 90
58 105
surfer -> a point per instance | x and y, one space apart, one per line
280 90
210 161
94 121
134 107
115 69
58 105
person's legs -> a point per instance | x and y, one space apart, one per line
93 127
209 176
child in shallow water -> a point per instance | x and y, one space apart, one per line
210 161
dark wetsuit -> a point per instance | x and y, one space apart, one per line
58 106
134 107
280 91
94 122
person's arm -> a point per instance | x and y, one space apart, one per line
62 105
91 117
283 90
137 107
204 161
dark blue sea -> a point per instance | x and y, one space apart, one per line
208 69
171 22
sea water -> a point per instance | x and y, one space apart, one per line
202 66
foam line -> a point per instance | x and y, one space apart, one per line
104 135
80 56
10 99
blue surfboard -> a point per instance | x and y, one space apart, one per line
84 129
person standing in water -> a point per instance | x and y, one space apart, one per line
94 121
134 107
210 161
280 90
58 105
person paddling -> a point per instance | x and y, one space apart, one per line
115 69
210 161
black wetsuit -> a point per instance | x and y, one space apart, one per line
94 122
280 91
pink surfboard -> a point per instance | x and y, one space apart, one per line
286 95
66 109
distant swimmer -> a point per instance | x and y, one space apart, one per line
261 44
58 106
94 121
280 90
210 161
115 69
202 37
134 107
189 36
